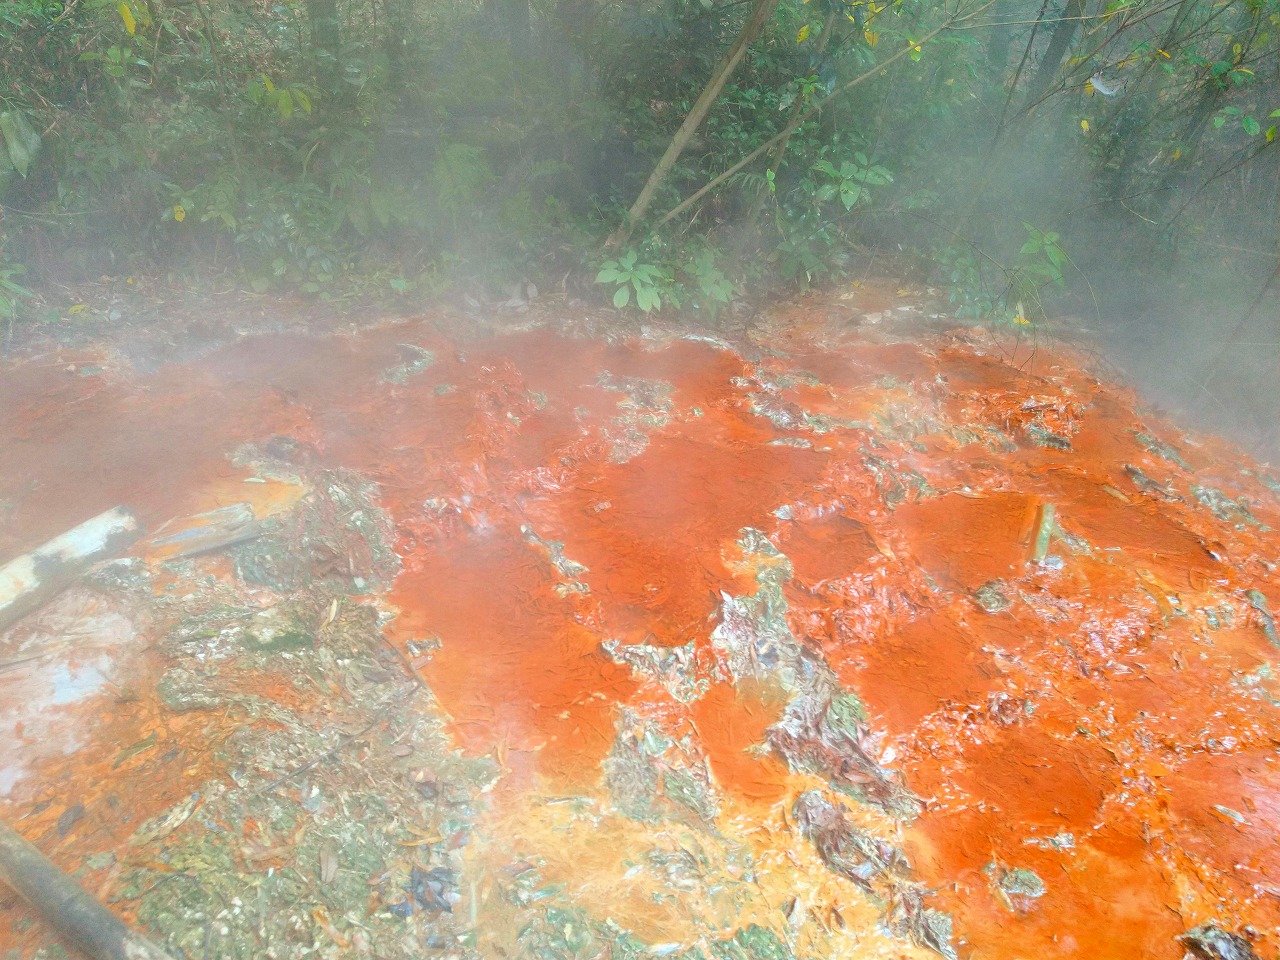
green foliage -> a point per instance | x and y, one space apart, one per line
21 146
851 182
11 292
400 147
1040 262
712 289
281 100
648 281
684 278
460 175
968 288
985 289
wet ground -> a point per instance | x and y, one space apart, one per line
845 635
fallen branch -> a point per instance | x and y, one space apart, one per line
66 908
32 579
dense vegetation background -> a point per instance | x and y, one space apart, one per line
1115 154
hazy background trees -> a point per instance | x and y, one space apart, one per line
1115 159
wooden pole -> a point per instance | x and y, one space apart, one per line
66 908
34 578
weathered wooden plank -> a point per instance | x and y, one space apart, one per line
203 532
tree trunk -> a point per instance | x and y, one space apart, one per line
1059 42
395 42
760 15
326 43
998 48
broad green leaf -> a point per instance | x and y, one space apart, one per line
647 299
622 297
284 104
21 142
1251 126
301 99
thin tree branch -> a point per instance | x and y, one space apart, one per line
800 118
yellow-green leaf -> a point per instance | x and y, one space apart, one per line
1271 133
179 212
267 84
803 35
302 100
130 24
872 37
1084 125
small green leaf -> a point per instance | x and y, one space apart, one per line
1251 126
